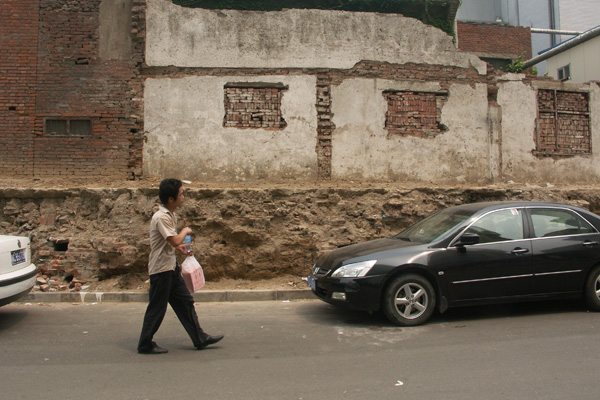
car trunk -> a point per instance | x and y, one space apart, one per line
15 253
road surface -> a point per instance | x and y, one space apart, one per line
301 350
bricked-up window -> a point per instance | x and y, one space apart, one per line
414 113
563 127
68 127
254 105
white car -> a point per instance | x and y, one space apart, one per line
17 272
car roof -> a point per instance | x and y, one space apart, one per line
494 205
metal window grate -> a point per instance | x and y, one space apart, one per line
56 126
80 127
68 127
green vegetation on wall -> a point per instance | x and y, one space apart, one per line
431 12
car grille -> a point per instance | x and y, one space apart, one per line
319 271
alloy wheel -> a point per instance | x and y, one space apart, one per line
411 300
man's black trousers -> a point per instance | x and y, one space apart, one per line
169 288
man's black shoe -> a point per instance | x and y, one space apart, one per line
210 340
155 349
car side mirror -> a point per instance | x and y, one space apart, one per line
467 239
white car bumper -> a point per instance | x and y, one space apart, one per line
17 283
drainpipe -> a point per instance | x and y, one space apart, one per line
584 37
552 22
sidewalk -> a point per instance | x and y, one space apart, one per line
142 297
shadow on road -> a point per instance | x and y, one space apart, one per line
9 317
512 310
326 314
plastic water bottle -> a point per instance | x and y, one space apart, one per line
188 243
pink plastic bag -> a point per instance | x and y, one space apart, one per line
192 274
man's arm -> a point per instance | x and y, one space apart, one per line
178 240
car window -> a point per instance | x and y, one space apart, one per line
499 226
549 222
435 226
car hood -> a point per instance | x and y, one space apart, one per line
334 258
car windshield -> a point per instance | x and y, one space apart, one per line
436 225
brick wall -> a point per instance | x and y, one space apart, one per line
18 35
54 71
487 39
563 123
414 114
253 107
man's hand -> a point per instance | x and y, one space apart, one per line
177 241
181 249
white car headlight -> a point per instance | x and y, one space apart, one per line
354 270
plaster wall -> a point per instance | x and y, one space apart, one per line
518 137
362 148
193 37
115 29
186 138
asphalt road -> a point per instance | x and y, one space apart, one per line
301 350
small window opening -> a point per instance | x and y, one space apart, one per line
61 245
68 127
564 73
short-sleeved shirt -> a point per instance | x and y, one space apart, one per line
162 254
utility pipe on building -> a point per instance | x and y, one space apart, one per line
557 31
584 37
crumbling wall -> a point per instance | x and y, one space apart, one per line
188 137
94 234
363 148
526 157
337 69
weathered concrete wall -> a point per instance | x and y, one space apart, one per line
252 234
519 114
186 137
292 38
115 29
364 149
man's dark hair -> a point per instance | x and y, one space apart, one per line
169 188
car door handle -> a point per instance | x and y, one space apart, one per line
589 243
518 251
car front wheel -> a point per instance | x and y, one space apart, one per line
592 290
409 300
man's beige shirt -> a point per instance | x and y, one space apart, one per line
162 254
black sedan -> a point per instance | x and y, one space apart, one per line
470 254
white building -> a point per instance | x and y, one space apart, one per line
578 64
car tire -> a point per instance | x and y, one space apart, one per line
409 300
592 290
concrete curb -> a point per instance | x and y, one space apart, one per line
202 296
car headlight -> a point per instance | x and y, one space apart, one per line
354 270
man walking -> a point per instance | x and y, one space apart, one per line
166 283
